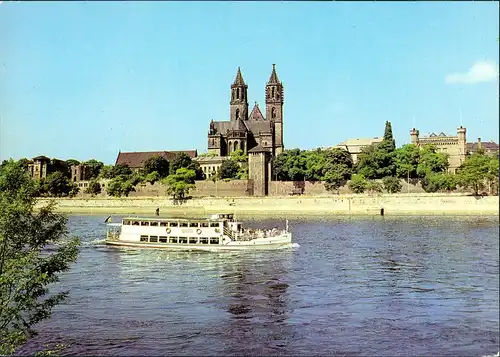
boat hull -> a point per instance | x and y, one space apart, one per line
284 241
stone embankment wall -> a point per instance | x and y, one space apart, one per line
240 188
414 204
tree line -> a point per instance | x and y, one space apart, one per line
389 164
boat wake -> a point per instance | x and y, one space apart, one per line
295 245
93 242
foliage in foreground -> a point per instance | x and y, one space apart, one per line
27 268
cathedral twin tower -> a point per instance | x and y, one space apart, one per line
248 131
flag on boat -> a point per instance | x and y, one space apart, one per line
108 220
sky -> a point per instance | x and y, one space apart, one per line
85 80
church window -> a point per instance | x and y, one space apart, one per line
273 92
238 96
242 146
235 146
273 113
237 113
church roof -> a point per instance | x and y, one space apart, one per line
257 127
137 159
256 114
238 125
257 149
239 78
274 77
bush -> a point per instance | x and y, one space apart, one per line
392 184
358 184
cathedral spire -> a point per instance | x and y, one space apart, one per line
239 78
274 77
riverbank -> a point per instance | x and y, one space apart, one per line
399 204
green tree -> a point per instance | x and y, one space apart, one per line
24 162
182 160
94 188
431 161
157 164
239 156
121 170
57 165
179 184
406 159
474 172
106 172
27 268
378 161
358 183
391 184
152 177
71 162
120 186
388 143
57 184
229 169
94 168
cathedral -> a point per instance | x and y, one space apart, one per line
249 130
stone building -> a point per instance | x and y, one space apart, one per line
39 167
454 146
354 146
489 147
79 173
246 130
136 160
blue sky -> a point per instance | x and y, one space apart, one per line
87 79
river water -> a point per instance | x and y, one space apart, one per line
372 286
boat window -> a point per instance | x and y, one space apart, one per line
204 240
144 223
193 240
204 224
183 224
172 239
125 222
214 224
193 224
163 239
153 239
214 240
173 224
183 240
144 238
163 224
154 224
135 223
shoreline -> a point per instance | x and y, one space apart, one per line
348 205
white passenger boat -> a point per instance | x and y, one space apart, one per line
217 233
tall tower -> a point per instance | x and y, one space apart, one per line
239 98
462 144
414 136
274 109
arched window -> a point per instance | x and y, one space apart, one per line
242 146
238 93
274 92
273 113
237 113
235 146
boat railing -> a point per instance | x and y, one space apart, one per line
228 232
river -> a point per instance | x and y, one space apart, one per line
360 286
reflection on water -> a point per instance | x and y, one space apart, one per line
356 286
